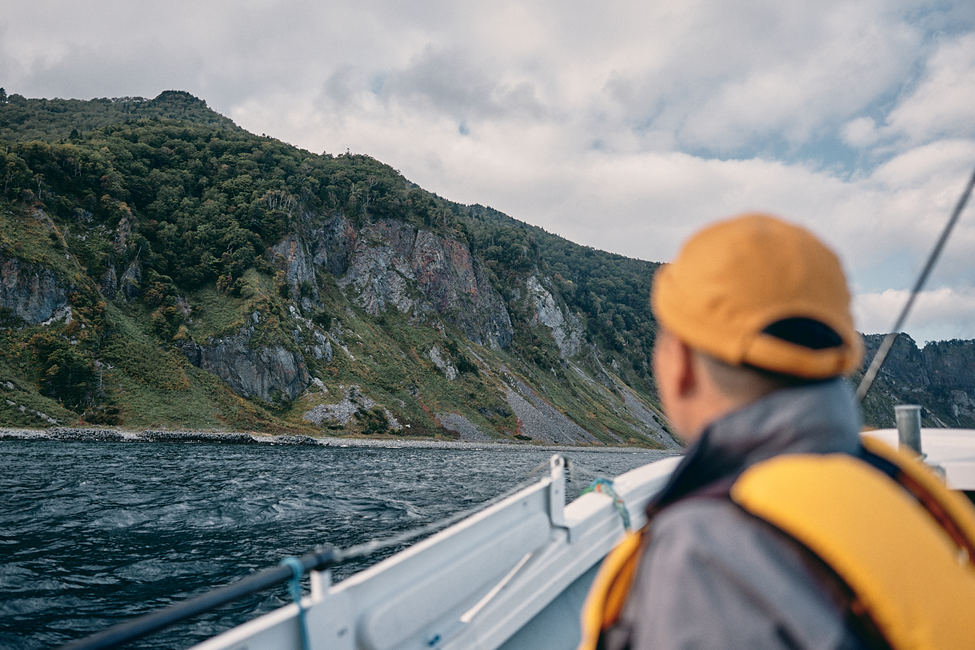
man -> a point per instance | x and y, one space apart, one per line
755 337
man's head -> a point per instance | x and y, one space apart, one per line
750 305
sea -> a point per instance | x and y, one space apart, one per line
95 533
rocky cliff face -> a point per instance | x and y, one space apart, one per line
940 377
565 326
393 265
270 373
32 292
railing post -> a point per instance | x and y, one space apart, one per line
909 426
556 491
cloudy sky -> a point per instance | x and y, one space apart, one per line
623 125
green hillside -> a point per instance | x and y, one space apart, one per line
165 228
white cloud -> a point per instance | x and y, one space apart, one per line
942 105
937 315
844 56
860 132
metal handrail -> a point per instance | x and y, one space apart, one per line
318 560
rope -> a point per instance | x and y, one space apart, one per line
294 587
878 359
605 486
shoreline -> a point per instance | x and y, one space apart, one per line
73 434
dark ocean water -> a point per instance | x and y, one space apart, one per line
92 534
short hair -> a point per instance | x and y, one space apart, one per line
747 383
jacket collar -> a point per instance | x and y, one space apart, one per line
817 418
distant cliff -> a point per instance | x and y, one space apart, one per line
940 377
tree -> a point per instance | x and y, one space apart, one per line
3 96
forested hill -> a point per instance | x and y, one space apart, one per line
162 267
52 120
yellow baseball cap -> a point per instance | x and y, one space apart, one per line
756 290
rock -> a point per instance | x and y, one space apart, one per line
331 244
442 362
540 420
342 413
132 281
109 283
322 350
290 256
33 292
566 327
63 313
465 428
390 264
271 373
940 377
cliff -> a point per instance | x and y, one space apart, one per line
940 377
160 267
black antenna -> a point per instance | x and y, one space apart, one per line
878 359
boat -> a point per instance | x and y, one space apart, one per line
511 576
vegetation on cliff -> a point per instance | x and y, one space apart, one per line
178 239
163 267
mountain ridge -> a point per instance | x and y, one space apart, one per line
163 267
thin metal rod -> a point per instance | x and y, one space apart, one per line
881 356
318 560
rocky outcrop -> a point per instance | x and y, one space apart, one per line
944 365
391 264
940 377
131 282
331 244
566 327
299 273
32 292
443 363
270 373
109 283
353 403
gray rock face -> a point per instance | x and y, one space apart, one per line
322 350
566 327
343 412
442 361
290 255
331 244
109 283
132 281
940 377
392 264
32 292
942 366
271 373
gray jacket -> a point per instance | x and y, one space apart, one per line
716 577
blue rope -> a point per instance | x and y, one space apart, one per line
294 587
605 486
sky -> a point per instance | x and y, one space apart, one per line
622 125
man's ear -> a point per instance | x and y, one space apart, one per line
688 369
